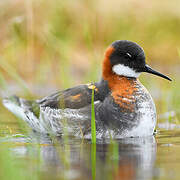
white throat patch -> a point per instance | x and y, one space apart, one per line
122 70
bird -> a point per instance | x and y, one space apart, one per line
123 107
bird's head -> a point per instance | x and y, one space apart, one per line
126 58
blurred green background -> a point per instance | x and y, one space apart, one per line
50 45
47 45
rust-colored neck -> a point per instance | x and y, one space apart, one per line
106 66
122 88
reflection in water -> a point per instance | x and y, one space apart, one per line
126 159
136 157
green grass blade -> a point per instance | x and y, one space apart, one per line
93 121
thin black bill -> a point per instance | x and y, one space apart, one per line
148 69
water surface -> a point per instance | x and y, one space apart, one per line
28 155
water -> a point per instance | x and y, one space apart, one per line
33 156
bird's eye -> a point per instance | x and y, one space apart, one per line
127 55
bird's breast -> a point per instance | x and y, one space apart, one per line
134 111
124 92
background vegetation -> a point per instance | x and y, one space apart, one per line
47 45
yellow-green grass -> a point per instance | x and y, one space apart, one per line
47 41
93 120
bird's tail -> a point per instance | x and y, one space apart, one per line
26 110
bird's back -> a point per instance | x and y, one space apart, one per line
126 111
